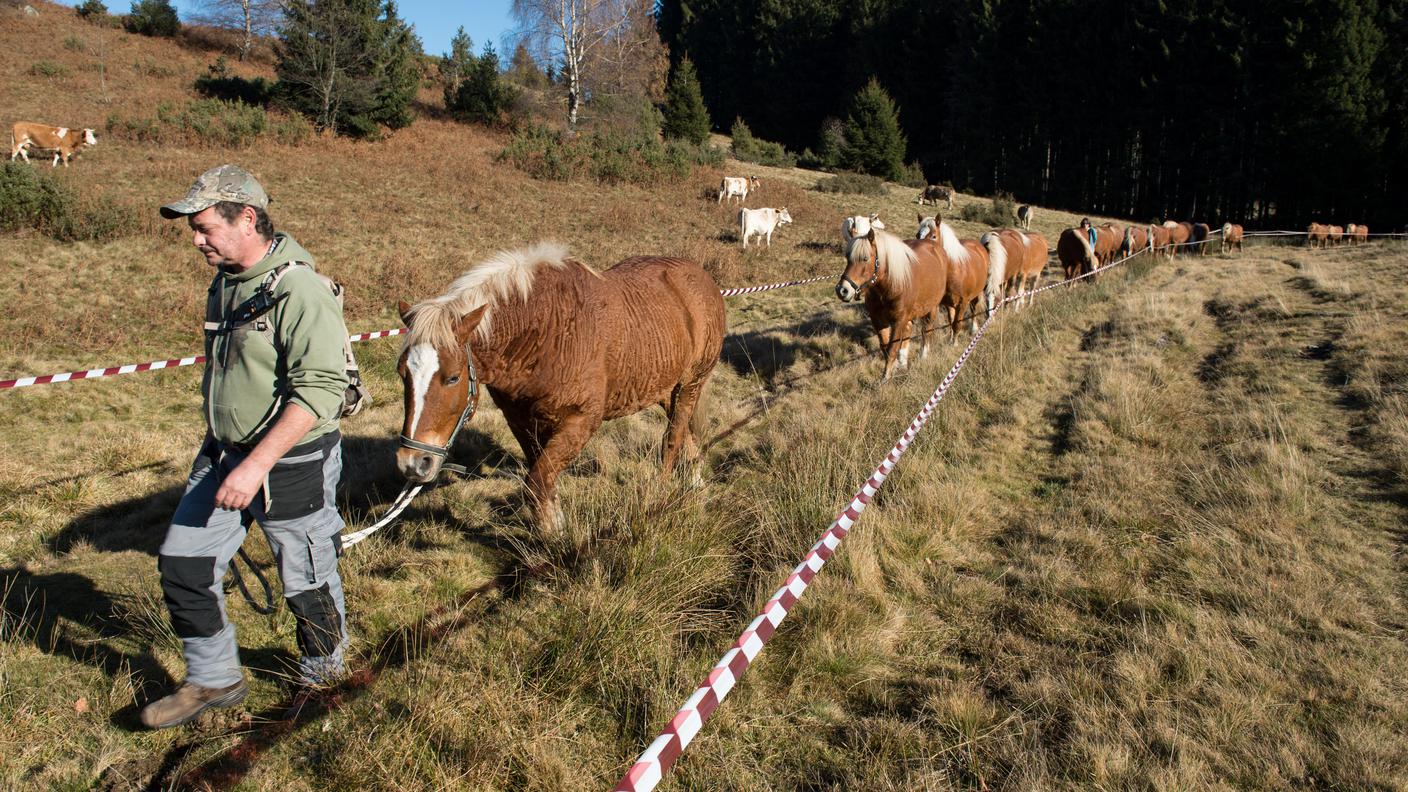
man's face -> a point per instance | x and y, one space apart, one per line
222 242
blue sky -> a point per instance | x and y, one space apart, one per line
483 20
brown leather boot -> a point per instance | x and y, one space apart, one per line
188 701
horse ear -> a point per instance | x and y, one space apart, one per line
467 323
404 308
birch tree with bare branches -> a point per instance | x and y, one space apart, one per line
252 17
574 33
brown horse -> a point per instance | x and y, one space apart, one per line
1231 237
1108 239
1202 233
560 347
967 277
901 281
1006 249
1035 252
1361 234
1336 234
1317 235
1075 252
1178 236
1161 241
1136 240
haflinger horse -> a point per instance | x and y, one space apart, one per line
967 279
559 347
1035 253
1006 249
1202 234
1231 236
1336 234
1179 234
1075 252
928 227
1161 241
901 282
1109 237
1317 235
1136 240
1361 234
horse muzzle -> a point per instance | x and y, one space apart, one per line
846 290
418 466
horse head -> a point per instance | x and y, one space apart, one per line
862 263
442 391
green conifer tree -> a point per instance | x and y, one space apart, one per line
685 115
874 143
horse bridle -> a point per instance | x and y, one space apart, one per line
443 451
874 275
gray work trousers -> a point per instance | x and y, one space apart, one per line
298 513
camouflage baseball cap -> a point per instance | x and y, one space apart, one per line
223 183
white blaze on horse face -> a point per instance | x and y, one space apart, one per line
423 362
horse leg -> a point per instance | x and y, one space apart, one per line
887 351
973 316
901 336
562 445
684 400
955 317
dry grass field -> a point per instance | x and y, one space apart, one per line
1153 538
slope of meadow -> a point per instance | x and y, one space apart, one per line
1152 539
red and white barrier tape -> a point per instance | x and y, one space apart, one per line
650 767
22 382
770 286
132 368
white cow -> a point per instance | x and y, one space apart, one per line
857 226
64 142
761 222
738 186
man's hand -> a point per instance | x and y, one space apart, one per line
238 489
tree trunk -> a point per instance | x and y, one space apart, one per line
248 30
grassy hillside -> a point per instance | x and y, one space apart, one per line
1152 539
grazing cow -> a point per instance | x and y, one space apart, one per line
935 193
1361 234
737 186
1024 217
1336 234
1231 236
761 222
1317 235
1202 235
64 142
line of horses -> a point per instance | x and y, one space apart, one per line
560 346
1320 235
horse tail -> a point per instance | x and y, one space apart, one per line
997 267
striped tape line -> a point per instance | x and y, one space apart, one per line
652 765
23 382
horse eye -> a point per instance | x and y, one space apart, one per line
452 380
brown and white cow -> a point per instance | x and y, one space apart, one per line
737 187
934 193
64 142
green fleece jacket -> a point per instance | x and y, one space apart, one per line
293 353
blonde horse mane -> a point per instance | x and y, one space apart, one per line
505 276
894 254
949 241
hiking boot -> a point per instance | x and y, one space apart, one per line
188 701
